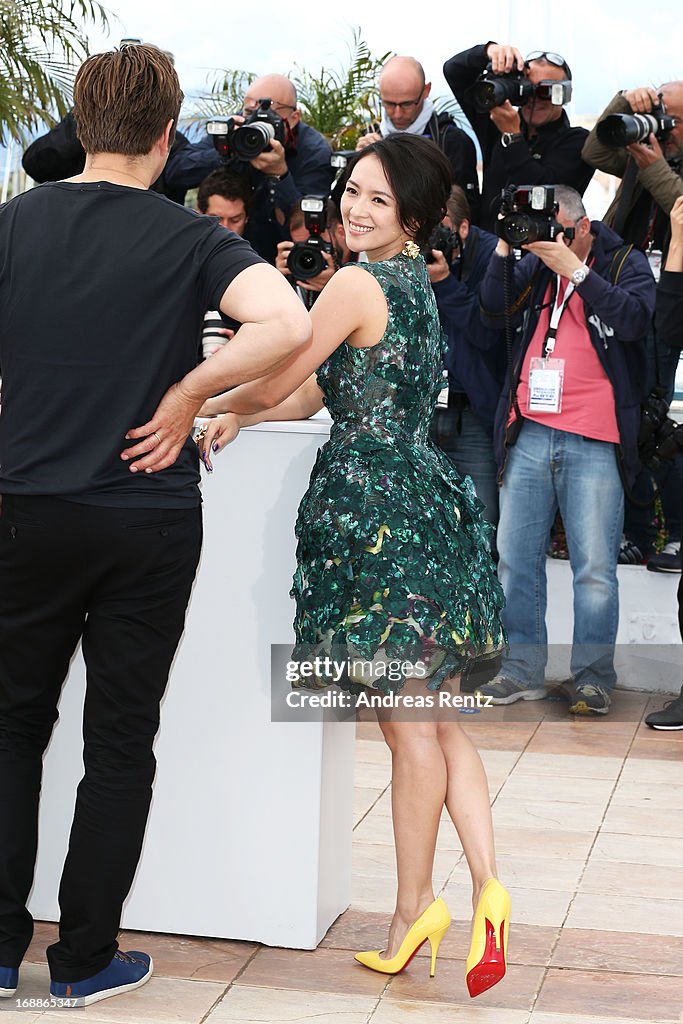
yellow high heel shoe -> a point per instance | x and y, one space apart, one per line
432 924
487 960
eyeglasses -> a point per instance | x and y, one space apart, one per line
405 105
251 108
552 58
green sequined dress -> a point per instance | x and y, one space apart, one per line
393 556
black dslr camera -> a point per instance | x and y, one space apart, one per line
492 90
618 130
529 215
306 259
250 139
446 241
660 438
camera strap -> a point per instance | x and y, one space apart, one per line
556 315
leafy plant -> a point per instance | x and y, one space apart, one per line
224 97
43 42
339 103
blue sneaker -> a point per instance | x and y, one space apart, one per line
9 979
125 972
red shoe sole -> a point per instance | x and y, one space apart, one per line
491 968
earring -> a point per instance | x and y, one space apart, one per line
411 249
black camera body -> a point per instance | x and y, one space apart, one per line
660 438
618 130
247 141
306 259
445 240
529 215
491 90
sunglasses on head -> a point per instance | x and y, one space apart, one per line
552 58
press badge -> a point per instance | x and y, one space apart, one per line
546 379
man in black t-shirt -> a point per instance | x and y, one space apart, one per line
103 287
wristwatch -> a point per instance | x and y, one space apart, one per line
579 275
507 138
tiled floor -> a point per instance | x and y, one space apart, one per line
590 844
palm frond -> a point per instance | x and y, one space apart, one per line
43 43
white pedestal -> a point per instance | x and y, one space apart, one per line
249 835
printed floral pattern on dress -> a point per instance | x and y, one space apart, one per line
393 555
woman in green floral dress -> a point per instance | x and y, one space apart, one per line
393 555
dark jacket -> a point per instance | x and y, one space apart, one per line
618 317
669 309
461 153
475 367
552 157
640 209
59 154
310 173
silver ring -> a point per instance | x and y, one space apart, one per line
157 437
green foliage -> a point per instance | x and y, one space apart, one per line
43 43
339 103
225 95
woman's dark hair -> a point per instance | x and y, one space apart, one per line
420 177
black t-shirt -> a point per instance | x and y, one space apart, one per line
103 289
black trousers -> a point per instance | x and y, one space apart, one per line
120 579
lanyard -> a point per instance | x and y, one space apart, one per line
556 316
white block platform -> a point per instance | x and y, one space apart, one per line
249 835
250 830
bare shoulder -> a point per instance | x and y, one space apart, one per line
353 281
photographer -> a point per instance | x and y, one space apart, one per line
404 95
279 176
533 143
474 360
566 432
670 320
650 170
227 197
327 244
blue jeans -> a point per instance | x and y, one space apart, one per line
466 443
547 469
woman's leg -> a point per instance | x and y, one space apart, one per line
468 802
418 777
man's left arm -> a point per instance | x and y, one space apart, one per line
626 307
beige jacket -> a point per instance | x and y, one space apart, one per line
660 180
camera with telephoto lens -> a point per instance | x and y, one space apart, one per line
250 139
529 215
660 438
445 240
306 259
491 90
622 129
